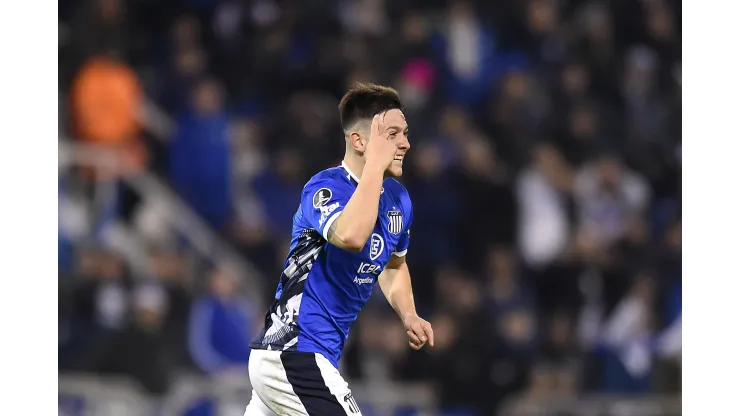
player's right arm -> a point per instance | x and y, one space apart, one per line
340 212
348 223
354 225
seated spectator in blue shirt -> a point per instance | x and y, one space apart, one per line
221 324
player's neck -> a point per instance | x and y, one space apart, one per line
354 166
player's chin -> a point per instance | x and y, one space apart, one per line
395 170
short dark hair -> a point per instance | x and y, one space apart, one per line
364 100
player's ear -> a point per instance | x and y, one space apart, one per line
357 141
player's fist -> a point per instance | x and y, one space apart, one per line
419 332
381 148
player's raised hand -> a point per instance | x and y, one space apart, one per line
381 149
419 332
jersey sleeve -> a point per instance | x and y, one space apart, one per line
321 203
402 247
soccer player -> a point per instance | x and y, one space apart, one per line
350 231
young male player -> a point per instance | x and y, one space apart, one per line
351 230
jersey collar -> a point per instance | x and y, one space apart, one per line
351 176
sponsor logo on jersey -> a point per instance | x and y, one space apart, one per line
369 268
376 246
363 280
326 211
321 197
395 222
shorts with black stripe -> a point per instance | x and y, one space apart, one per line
288 383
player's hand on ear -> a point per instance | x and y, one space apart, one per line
419 332
380 149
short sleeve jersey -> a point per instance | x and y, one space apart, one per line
323 287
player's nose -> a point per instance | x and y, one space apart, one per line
404 144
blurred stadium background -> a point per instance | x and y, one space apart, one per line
545 171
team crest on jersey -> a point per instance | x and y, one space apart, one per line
395 222
321 197
376 246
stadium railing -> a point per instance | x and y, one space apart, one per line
90 395
230 393
180 217
602 405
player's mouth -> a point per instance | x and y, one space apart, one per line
399 159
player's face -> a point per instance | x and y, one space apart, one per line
398 130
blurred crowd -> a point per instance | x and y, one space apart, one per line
545 173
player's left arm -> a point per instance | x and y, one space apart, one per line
395 281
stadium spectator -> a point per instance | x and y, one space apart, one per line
199 162
142 350
626 340
278 189
101 299
221 325
106 99
465 48
434 228
167 268
183 74
98 26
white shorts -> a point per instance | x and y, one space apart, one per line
297 383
